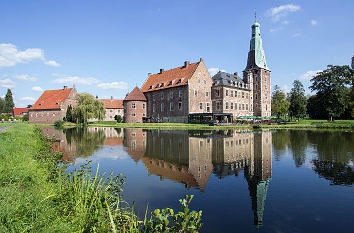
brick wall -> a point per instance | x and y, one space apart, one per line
134 114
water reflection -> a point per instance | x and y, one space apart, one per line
193 157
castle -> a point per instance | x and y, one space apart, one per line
183 94
188 92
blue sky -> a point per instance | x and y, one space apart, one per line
107 47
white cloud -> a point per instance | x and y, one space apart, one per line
27 99
313 22
26 77
7 83
274 29
52 63
10 56
37 88
309 74
285 22
76 80
285 88
214 71
281 11
297 34
113 85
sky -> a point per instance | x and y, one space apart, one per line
106 48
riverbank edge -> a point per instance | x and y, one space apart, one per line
347 124
37 195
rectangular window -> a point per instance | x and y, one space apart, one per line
246 95
226 92
162 107
246 106
217 93
239 107
133 114
180 93
243 107
171 106
162 96
231 105
195 92
243 95
179 105
227 105
143 106
206 94
208 107
171 94
218 105
201 106
231 93
133 105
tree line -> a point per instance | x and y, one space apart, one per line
333 98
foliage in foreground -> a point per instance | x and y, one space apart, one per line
36 195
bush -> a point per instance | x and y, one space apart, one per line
59 124
5 117
25 117
118 118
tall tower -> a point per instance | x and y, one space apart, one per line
257 74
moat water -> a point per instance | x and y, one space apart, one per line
243 181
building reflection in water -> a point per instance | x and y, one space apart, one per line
188 157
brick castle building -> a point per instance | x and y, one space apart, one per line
52 105
250 95
174 94
134 106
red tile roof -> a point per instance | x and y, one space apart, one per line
19 111
135 94
170 78
112 103
51 99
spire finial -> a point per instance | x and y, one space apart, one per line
255 15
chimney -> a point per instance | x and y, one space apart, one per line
161 71
236 74
111 97
65 87
186 63
149 74
201 60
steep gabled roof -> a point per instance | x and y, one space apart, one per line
170 78
51 99
135 94
112 103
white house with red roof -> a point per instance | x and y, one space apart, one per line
113 107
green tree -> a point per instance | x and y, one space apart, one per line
2 104
9 102
88 108
69 114
315 108
332 87
280 104
297 100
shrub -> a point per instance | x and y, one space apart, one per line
25 117
59 124
118 118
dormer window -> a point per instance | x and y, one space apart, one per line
157 85
162 85
150 87
179 81
170 83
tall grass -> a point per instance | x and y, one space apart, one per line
36 195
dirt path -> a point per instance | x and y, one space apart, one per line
3 128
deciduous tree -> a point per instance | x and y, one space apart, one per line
332 87
2 104
297 100
88 108
280 104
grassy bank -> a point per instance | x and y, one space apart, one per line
36 195
313 124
